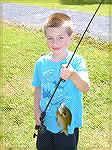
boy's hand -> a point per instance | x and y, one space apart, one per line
80 81
66 73
37 118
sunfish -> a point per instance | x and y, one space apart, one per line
64 117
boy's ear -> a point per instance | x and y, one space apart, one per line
71 36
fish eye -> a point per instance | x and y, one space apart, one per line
64 114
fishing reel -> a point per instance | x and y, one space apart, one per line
41 129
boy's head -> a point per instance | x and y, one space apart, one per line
58 31
59 20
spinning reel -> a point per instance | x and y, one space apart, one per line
41 129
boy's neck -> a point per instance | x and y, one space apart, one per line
58 56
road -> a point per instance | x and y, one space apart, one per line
35 15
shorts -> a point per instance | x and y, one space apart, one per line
58 141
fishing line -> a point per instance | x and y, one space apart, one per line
74 53
42 128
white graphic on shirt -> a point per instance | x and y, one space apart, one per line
49 83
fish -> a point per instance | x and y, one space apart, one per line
64 118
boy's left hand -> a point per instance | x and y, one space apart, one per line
66 73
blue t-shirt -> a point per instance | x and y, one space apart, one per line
46 76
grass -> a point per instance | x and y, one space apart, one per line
21 49
104 9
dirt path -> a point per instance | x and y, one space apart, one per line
35 15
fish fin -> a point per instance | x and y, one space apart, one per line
70 123
65 130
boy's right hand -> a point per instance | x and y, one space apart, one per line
37 118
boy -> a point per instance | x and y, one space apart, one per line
48 70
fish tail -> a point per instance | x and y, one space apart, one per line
65 131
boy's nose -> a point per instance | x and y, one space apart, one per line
55 42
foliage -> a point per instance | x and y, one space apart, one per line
73 2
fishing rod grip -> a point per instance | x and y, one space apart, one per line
41 129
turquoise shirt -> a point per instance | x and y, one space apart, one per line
46 76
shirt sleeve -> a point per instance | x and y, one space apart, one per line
36 82
81 65
81 68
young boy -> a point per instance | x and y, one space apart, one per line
58 30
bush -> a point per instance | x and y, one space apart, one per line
71 2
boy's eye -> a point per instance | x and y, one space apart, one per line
61 37
49 38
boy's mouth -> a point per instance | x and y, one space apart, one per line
56 48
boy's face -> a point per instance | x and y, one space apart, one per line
57 38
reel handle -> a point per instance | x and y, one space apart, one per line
41 129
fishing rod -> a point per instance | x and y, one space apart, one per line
42 128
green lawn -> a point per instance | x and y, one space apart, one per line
104 9
21 49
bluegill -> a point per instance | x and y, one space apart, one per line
64 118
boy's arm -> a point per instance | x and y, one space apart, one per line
37 111
81 81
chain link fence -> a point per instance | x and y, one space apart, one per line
23 43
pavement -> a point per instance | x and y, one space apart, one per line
36 15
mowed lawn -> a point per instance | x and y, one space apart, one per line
21 49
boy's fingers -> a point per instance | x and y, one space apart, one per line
64 65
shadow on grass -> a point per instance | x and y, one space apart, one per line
83 2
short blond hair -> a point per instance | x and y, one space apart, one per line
58 20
